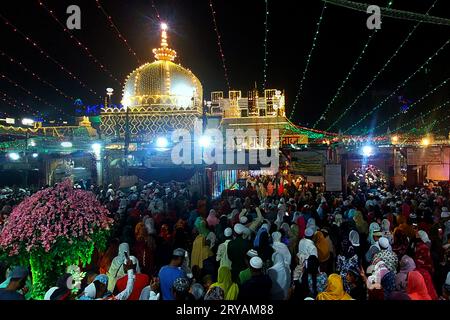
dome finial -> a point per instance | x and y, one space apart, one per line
164 52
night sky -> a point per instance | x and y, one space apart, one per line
292 25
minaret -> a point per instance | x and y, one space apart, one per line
165 54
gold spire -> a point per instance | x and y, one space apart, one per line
164 52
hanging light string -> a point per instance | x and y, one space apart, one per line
36 76
308 60
347 77
118 33
353 68
78 43
427 61
412 105
219 44
15 84
421 116
266 34
13 102
388 62
46 55
156 11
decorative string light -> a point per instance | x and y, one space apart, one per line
266 34
388 62
119 34
412 105
353 68
219 44
46 55
15 84
421 116
35 75
14 103
308 60
398 87
79 43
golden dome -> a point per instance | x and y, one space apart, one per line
163 86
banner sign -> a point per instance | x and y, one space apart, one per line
307 163
333 177
294 139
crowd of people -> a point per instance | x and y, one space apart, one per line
283 241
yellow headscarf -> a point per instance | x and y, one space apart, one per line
322 245
200 251
361 224
224 281
334 289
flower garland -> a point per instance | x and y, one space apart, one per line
52 229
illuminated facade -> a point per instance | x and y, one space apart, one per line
271 104
158 97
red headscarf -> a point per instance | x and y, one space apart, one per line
416 288
301 227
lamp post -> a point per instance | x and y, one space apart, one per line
126 104
28 123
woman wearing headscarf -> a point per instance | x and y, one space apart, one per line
200 251
293 239
280 274
401 243
306 248
312 282
386 230
323 249
334 289
212 219
374 235
422 255
416 287
265 250
385 254
348 259
201 226
116 269
361 224
407 265
144 248
356 284
225 282
281 248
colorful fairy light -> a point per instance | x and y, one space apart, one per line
347 77
46 55
422 116
266 34
14 103
308 60
388 62
79 43
427 61
412 105
219 44
118 33
2 76
35 75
